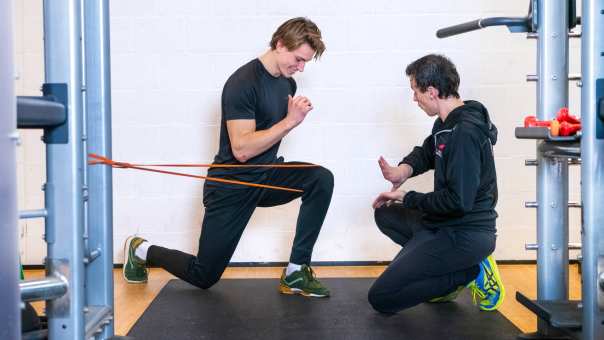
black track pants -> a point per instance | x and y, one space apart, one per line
432 263
228 212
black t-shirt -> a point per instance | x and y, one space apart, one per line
250 93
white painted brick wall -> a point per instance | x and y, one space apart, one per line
171 59
31 158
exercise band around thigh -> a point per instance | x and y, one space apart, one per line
96 159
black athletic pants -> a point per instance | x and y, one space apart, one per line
432 263
228 212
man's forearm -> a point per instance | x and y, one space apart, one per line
254 143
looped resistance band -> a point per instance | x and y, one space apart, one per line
96 159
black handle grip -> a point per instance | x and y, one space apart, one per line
513 23
459 29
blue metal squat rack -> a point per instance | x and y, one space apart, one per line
551 23
75 114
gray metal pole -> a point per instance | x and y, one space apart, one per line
10 313
63 189
47 288
39 213
592 166
99 273
552 174
552 94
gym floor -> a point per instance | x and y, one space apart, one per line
132 300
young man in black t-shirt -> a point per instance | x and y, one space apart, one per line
259 108
448 234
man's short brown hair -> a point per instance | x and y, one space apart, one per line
297 31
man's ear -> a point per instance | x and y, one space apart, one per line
433 92
279 46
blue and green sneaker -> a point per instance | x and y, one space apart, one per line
134 270
302 282
488 287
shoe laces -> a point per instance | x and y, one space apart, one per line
490 286
477 293
312 277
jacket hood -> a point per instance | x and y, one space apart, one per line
474 113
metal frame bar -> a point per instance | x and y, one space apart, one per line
40 213
99 272
43 289
10 313
552 173
63 189
592 168
99 319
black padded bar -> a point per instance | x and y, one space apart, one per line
522 22
39 113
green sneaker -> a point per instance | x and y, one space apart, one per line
449 297
134 270
488 286
302 282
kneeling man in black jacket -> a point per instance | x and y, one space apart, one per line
448 234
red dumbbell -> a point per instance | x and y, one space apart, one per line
567 129
564 116
531 121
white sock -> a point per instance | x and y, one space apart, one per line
292 267
141 250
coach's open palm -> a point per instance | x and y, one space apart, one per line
388 198
395 175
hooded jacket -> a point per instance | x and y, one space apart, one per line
460 150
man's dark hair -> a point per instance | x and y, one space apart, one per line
436 71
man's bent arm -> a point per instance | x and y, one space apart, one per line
247 143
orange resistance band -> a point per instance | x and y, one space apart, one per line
103 160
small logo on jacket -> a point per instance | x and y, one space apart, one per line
440 149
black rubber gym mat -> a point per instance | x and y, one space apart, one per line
253 309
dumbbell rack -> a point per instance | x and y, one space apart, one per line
555 313
550 22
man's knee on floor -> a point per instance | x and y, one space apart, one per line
210 282
379 301
202 277
204 283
